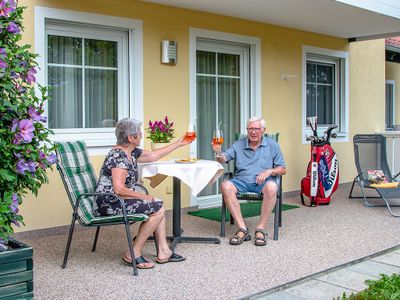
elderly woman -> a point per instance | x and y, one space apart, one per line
119 175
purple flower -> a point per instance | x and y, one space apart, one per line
14 125
14 203
3 51
166 120
52 158
30 77
3 64
25 133
13 28
42 156
21 167
6 7
26 129
33 113
31 166
43 119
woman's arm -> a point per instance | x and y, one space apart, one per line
118 179
149 156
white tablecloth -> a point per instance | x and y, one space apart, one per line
196 175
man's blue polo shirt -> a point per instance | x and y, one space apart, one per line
249 163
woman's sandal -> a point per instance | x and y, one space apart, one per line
173 258
237 239
258 241
139 261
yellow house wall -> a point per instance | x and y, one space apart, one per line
393 73
166 88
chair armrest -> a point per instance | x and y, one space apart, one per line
228 175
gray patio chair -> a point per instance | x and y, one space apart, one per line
256 197
79 179
370 154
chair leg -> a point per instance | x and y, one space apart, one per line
71 232
280 205
351 190
223 218
130 244
95 238
276 219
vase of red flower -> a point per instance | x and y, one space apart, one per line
160 133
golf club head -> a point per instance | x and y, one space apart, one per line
312 121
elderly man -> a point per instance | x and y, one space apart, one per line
258 160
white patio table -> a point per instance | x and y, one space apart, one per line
196 175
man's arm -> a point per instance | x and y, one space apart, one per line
279 170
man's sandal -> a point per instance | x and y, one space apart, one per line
260 241
237 239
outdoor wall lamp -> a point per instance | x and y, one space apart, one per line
169 52
287 76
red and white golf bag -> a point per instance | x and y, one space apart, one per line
322 176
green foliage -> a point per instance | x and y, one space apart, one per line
387 288
25 148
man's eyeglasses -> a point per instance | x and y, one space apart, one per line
253 129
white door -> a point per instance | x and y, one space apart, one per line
222 97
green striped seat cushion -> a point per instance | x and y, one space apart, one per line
79 178
249 195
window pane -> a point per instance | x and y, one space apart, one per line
324 73
64 50
100 53
65 107
228 106
101 98
311 72
206 62
311 100
228 64
325 105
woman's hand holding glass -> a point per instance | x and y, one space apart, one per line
191 133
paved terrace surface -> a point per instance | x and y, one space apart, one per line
311 240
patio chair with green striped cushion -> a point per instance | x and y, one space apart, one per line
254 196
79 179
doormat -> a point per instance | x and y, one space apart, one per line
250 209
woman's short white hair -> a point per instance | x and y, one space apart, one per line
259 120
126 127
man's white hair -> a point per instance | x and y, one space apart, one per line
259 120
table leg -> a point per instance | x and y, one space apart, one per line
176 220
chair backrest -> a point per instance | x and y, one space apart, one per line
78 176
370 154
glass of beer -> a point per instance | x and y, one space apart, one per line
191 133
218 139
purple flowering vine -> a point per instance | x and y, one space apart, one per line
26 151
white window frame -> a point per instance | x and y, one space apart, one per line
98 140
393 84
342 95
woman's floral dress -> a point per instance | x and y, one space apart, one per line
102 205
